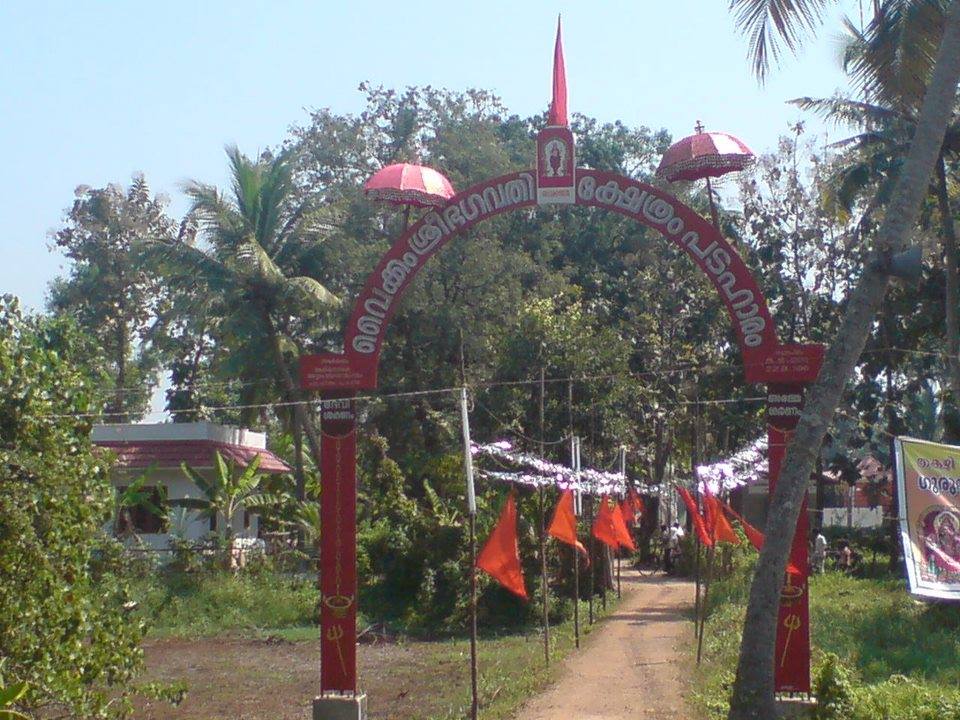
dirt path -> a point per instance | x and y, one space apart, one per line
632 667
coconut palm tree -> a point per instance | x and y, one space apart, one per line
891 62
771 25
249 268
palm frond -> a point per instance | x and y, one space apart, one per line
253 261
200 481
892 60
771 25
307 291
187 264
845 110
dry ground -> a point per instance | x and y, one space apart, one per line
634 665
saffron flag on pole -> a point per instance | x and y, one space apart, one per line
603 527
721 529
500 556
699 523
620 527
563 526
753 535
558 108
636 501
628 513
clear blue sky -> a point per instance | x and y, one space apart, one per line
92 92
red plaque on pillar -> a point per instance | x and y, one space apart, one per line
333 372
338 548
555 166
788 364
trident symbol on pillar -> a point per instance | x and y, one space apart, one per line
791 622
335 634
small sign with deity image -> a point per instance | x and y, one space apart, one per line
556 163
928 487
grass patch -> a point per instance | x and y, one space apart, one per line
216 603
900 657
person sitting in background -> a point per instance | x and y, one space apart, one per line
845 559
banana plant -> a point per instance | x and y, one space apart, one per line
229 489
137 495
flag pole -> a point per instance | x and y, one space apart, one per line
544 585
577 509
623 471
574 454
472 521
593 547
694 461
703 606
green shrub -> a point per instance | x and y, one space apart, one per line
66 628
833 689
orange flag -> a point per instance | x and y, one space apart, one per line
627 512
620 527
636 501
603 527
698 520
500 556
563 527
722 532
753 535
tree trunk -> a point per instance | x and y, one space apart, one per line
950 262
303 417
753 690
893 529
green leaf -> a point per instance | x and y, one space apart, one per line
12 693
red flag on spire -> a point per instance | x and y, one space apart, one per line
563 527
500 557
558 108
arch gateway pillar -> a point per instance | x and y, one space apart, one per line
786 370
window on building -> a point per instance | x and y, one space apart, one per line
145 517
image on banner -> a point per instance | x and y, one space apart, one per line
928 487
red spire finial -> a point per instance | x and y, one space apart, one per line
558 108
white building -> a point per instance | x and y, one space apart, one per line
164 447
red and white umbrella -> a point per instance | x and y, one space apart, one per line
703 156
408 184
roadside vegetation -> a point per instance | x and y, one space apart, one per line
878 653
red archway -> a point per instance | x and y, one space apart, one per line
647 205
785 369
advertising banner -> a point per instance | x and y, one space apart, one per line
928 486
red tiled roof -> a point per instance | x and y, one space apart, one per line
196 453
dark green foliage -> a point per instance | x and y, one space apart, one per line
113 293
66 628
